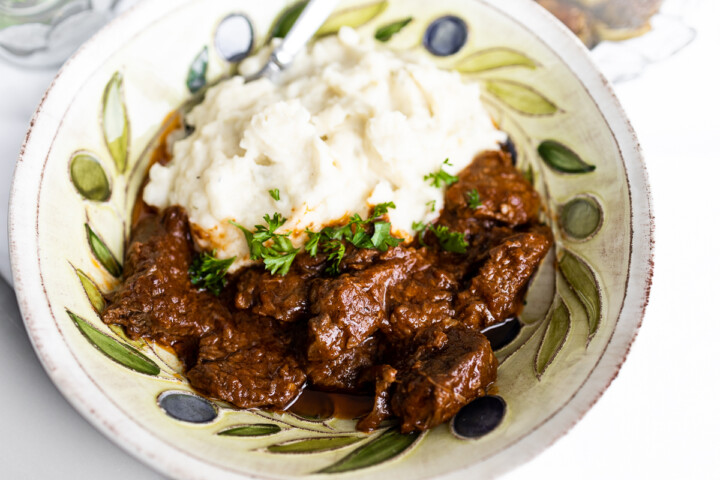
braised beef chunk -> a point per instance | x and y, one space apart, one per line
504 194
282 298
496 292
156 299
250 363
384 377
350 308
448 370
402 325
425 298
344 373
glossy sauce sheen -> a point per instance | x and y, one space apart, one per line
395 334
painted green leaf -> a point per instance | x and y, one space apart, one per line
251 430
529 175
120 333
388 445
123 354
583 282
89 178
555 336
197 75
521 97
287 19
492 59
386 32
102 253
313 445
581 217
561 159
115 122
352 17
93 292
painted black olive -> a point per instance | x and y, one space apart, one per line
187 407
446 36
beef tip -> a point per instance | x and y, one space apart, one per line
496 292
350 308
384 377
156 299
344 373
506 195
283 298
249 363
424 299
448 370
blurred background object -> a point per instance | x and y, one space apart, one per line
44 33
597 20
627 35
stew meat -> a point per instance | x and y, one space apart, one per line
403 325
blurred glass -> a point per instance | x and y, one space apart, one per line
44 33
626 36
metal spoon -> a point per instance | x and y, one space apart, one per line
311 18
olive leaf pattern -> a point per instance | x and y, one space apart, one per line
493 59
102 253
556 333
314 444
286 20
123 354
115 123
92 291
584 283
388 445
562 159
386 32
521 98
352 17
197 75
251 430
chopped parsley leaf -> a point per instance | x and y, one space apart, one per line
275 250
441 177
208 272
275 194
431 204
382 239
449 241
473 199
381 210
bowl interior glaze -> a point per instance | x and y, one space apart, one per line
86 156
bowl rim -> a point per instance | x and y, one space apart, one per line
92 403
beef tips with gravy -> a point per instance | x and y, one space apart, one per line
402 324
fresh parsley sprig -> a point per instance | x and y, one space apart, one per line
275 250
473 199
209 273
278 253
449 241
441 177
356 232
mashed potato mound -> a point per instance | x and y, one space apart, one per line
350 125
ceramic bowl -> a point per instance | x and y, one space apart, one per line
87 152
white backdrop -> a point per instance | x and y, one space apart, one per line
660 419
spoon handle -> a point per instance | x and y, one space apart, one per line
310 20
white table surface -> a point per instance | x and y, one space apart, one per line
659 419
